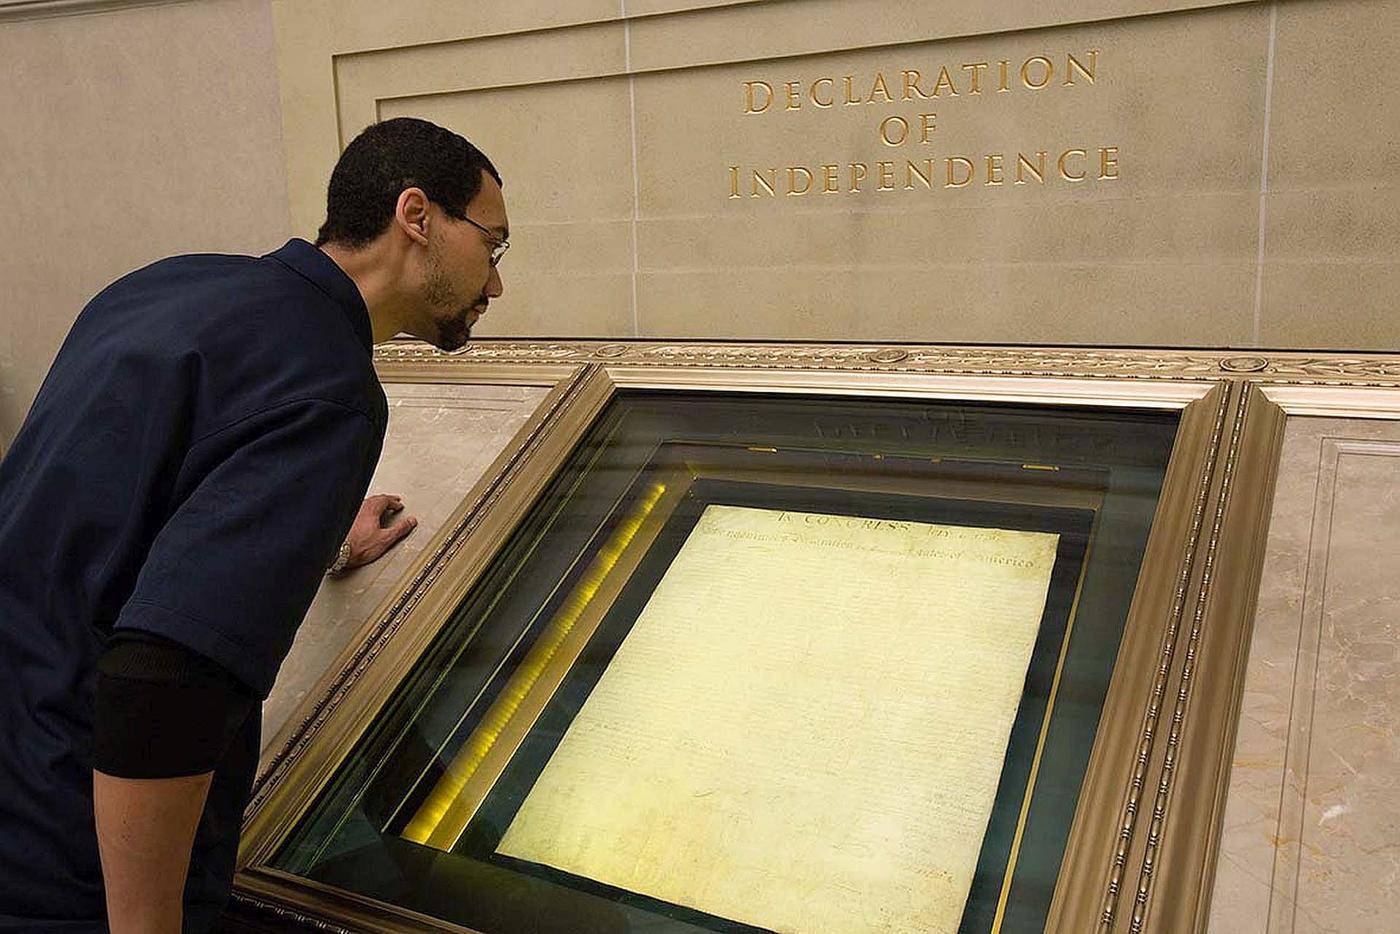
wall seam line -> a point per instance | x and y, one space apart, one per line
636 184
1264 177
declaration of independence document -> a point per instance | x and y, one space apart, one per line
805 728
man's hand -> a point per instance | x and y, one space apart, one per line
369 537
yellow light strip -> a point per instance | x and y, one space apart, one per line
442 818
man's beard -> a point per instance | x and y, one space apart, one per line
453 331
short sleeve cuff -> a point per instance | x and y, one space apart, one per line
242 660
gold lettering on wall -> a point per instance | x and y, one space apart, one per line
882 90
1049 74
959 171
769 185
751 105
912 171
894 130
976 69
994 169
1108 164
959 162
1036 73
1037 168
911 84
1073 64
945 80
1047 69
1065 173
926 126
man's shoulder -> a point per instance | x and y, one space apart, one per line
206 278
195 295
249 330
183 266
212 299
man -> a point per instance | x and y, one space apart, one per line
188 471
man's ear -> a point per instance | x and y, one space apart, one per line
411 214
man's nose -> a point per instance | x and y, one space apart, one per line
494 286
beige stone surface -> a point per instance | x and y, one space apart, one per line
312 34
1085 303
441 439
1313 809
1175 233
1332 215
647 7
368 84
1347 305
1255 204
759 30
546 184
127 136
570 266
1143 99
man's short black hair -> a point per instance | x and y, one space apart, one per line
387 158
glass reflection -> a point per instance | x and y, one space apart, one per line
741 643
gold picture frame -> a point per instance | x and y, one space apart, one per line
1141 848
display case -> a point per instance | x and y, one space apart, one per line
795 638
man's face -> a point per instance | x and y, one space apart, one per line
459 280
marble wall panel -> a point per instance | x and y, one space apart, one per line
440 441
1313 810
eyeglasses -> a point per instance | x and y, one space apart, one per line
498 246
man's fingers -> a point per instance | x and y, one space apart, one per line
373 507
399 529
370 537
387 538
383 504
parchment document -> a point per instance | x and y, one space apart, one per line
805 727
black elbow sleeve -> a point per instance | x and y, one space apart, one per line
162 710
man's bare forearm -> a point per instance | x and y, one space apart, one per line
145 829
